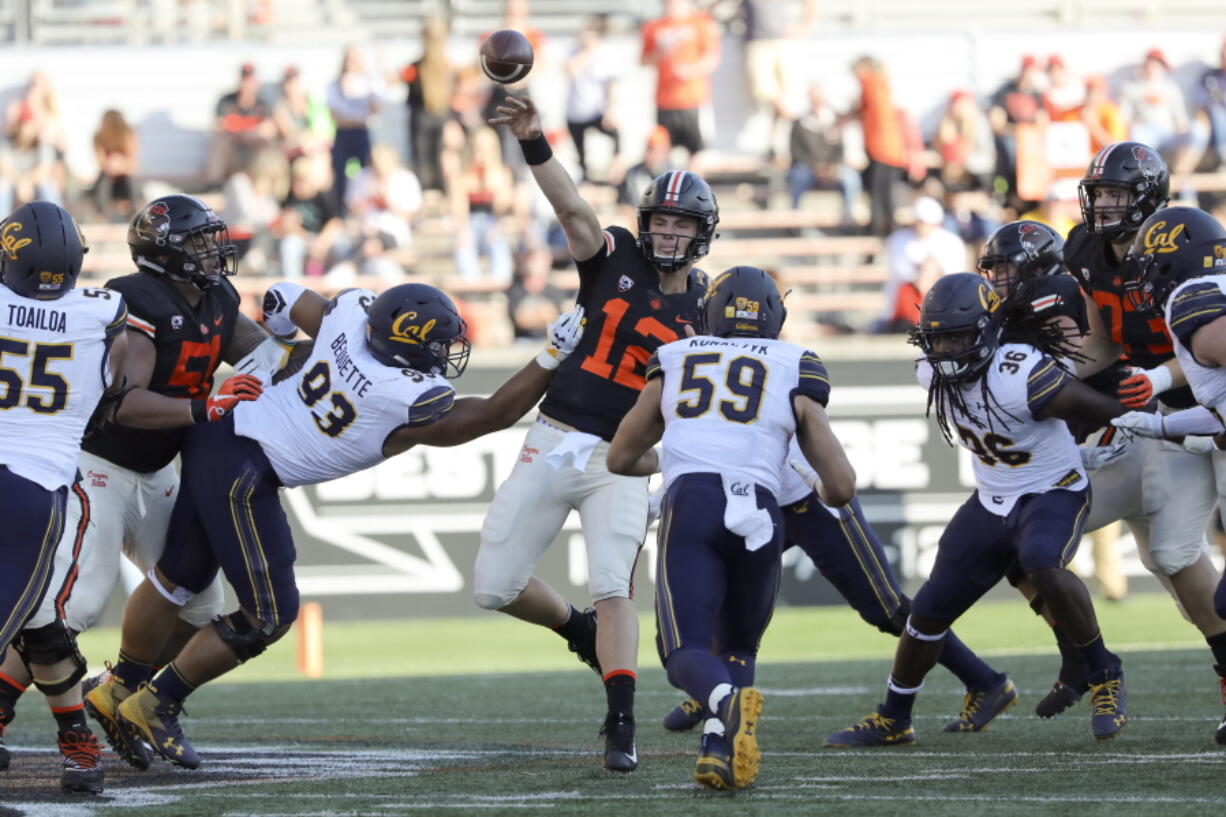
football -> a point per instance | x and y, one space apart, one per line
506 56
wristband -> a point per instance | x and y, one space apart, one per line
536 151
547 358
200 411
1160 378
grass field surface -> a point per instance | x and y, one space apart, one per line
489 717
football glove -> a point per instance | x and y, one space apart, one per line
654 500
238 389
1141 423
801 466
1143 385
278 301
564 335
1094 457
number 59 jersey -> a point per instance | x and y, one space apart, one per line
1015 453
53 370
331 418
727 404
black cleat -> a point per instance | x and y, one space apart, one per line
1219 735
684 716
5 757
585 646
620 754
981 706
1109 700
714 766
82 762
1060 698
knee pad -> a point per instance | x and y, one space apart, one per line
493 601
1169 561
178 597
243 638
50 645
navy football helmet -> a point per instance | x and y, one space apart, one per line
415 326
742 302
1020 253
1173 245
182 238
960 326
678 192
41 249
1133 169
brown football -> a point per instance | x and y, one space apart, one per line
506 56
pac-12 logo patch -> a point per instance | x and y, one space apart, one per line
624 283
176 322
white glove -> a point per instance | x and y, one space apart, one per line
654 501
564 335
1141 423
1094 457
801 466
278 301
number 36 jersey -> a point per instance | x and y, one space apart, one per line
53 370
1015 453
331 418
628 318
727 404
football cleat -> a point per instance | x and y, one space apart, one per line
102 704
1110 707
873 730
714 766
1219 735
1060 698
684 716
585 646
741 712
620 754
82 762
104 677
5 757
981 706
143 716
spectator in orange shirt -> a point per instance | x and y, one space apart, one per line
1102 116
1065 96
885 142
244 125
684 47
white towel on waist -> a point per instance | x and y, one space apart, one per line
576 447
742 515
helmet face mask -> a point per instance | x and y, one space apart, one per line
676 193
1019 254
1124 185
182 238
954 355
415 326
960 326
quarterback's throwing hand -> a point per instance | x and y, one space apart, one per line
564 334
237 389
1142 423
520 117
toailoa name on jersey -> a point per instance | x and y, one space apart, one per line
346 367
32 317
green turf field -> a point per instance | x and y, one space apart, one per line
488 717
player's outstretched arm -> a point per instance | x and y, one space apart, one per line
631 453
824 452
578 219
473 417
1075 401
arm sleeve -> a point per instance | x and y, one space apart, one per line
1045 381
1199 420
814 381
431 405
1194 306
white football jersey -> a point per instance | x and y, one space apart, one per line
1193 304
1015 454
332 417
53 371
727 404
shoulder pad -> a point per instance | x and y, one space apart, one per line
1192 306
431 405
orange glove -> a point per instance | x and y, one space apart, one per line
1137 391
237 389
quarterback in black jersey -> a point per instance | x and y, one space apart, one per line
639 292
183 320
1164 492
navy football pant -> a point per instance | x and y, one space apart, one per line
978 546
710 589
33 522
228 515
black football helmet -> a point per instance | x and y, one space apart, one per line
1173 245
1020 253
41 249
678 192
1131 167
960 326
415 326
742 302
182 238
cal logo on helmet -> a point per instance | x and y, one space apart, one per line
9 241
988 298
1159 239
405 332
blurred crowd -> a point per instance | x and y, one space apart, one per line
308 192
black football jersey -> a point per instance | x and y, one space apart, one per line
189 343
1142 335
1053 296
628 318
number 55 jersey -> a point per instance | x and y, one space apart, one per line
1015 453
332 417
727 405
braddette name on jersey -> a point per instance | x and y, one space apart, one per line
35 317
349 372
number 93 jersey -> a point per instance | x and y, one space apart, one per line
331 418
1014 452
53 370
727 404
